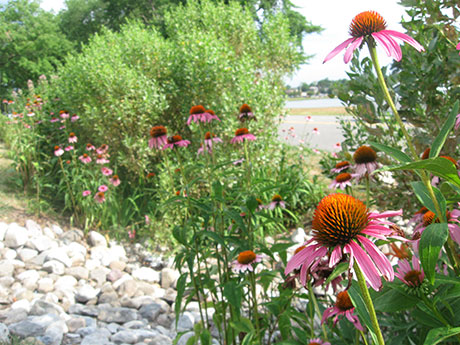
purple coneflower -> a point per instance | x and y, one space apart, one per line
106 171
100 159
341 181
246 113
90 147
411 276
54 119
64 114
458 47
69 148
176 140
199 114
102 149
430 218
369 26
84 158
58 151
340 167
103 188
366 161
99 197
277 200
318 341
72 138
158 136
245 260
209 138
86 192
241 134
339 225
30 114
74 118
316 131
343 306
115 180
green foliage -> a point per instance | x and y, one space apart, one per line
125 82
31 44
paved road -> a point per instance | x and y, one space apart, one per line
300 129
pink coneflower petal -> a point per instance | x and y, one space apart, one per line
349 52
336 256
338 49
365 263
380 260
406 38
103 188
86 192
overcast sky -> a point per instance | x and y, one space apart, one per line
335 17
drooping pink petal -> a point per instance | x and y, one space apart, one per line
349 52
385 214
338 49
380 260
374 233
405 38
321 251
354 319
299 258
454 231
327 314
366 264
336 255
415 263
397 53
378 37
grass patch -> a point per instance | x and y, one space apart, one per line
336 111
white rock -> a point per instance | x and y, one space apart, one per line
78 259
146 274
59 254
169 277
10 254
49 233
23 304
86 293
17 263
124 337
41 243
298 236
57 229
3 228
95 239
6 267
54 266
91 264
99 275
78 272
4 334
26 254
33 228
75 248
6 281
16 236
29 278
65 282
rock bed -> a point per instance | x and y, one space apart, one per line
58 287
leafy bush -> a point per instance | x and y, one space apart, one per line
122 83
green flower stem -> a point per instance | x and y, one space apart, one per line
367 190
70 190
364 337
383 85
255 315
454 259
368 301
315 303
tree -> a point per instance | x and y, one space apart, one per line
31 44
82 18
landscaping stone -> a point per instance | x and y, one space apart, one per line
15 236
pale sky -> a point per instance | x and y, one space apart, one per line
335 17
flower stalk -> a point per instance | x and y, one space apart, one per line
368 301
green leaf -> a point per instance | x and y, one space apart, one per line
284 325
338 270
252 204
436 335
439 166
180 287
433 238
214 236
233 294
423 195
439 141
191 340
242 325
395 153
394 300
180 235
247 339
205 337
